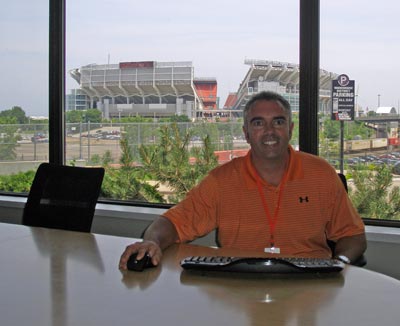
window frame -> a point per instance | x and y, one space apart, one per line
57 14
309 52
309 77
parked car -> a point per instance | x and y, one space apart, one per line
39 138
335 163
353 161
370 158
396 168
390 156
389 161
396 154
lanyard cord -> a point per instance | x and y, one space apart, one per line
272 220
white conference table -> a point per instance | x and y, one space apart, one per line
54 277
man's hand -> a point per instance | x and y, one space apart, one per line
141 248
352 247
158 236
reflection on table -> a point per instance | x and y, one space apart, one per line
54 277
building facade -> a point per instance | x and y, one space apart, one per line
146 88
280 77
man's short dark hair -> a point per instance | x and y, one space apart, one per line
267 96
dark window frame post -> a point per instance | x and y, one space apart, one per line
56 81
309 75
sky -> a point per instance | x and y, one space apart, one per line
358 38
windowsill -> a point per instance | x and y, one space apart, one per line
12 201
383 234
125 211
374 233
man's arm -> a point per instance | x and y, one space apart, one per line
158 236
352 247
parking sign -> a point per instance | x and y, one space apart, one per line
343 98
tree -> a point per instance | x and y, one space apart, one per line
127 182
176 118
17 113
374 195
331 129
8 142
107 158
10 121
169 162
74 116
92 115
18 182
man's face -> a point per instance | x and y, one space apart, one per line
268 130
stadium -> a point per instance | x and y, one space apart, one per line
280 77
160 89
147 88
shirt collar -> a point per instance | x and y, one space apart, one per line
295 169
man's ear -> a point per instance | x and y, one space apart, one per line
291 130
246 133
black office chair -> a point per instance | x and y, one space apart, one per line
63 197
360 261
344 181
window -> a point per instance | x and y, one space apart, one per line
131 80
361 40
174 66
24 84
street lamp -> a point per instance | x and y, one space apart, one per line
379 100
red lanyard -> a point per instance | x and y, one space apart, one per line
271 219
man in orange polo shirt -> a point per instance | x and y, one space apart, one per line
275 200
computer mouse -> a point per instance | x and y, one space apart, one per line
139 265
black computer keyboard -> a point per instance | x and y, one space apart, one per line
262 265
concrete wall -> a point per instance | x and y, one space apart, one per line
130 221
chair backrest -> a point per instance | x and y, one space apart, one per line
63 197
344 181
360 261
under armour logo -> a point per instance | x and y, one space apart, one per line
305 199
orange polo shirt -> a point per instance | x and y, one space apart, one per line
314 207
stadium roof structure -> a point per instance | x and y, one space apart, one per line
281 77
144 79
146 88
230 100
